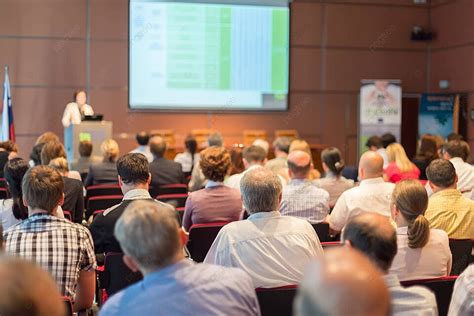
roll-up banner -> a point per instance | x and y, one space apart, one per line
438 114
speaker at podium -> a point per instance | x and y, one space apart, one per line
93 129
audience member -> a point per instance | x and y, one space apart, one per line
374 235
10 147
254 157
54 150
12 210
374 143
152 242
454 136
333 182
399 166
262 143
27 290
73 191
279 164
190 157
299 144
163 171
3 161
35 155
273 249
217 202
105 171
372 195
236 159
427 152
63 248
134 180
388 139
422 253
85 160
336 280
455 152
462 301
47 137
301 197
143 139
447 208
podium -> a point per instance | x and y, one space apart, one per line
96 132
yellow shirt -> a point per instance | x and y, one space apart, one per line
450 211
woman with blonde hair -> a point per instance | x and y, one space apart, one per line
105 171
399 166
423 253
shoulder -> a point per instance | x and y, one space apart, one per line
6 204
229 276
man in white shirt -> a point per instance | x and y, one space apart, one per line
253 157
271 248
372 195
455 152
375 236
143 148
462 301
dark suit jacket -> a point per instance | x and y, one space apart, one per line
74 198
104 172
164 171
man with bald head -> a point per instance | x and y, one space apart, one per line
301 197
163 171
332 286
372 195
374 235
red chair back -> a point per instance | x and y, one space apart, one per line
322 230
461 249
331 244
177 200
67 215
201 237
102 202
177 188
103 189
277 301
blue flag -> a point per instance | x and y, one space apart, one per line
8 129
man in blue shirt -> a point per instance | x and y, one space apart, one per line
152 242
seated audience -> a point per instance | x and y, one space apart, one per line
422 253
399 166
190 157
12 210
85 160
462 301
27 290
63 248
262 143
152 242
427 152
333 182
198 180
271 248
9 147
54 150
143 138
374 235
217 202
279 165
454 136
134 180
333 282
455 152
372 195
388 139
105 171
73 191
254 157
35 156
374 143
447 208
236 159
301 197
299 144
163 171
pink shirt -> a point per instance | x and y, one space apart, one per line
395 175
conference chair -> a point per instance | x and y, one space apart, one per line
97 213
322 230
461 249
180 211
3 183
250 135
177 188
67 215
289 133
201 237
96 203
331 244
351 172
3 194
441 287
68 305
103 189
276 301
177 200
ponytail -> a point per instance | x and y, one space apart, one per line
19 210
418 232
191 144
332 158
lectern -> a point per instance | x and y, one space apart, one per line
96 132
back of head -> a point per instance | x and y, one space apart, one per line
387 139
148 232
14 171
374 141
373 235
191 145
27 290
46 138
333 282
254 154
455 149
454 136
261 190
142 138
215 139
237 162
42 188
411 200
60 164
332 158
263 144
441 173
215 163
396 153
85 148
51 151
35 154
133 169
370 165
9 146
158 146
282 144
299 163
428 148
299 144
110 150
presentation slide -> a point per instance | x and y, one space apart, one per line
208 56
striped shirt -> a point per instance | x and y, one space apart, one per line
462 301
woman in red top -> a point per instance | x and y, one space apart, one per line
399 167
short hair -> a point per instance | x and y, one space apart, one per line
35 154
215 163
43 188
300 144
454 136
46 138
27 289
142 138
374 141
282 144
215 139
52 150
133 168
373 239
60 164
261 190
110 150
9 146
297 169
455 148
85 148
14 172
148 233
263 144
441 173
254 154
158 146
387 139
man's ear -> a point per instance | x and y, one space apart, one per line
246 163
149 179
25 202
61 200
347 243
120 180
130 263
456 178
432 186
183 236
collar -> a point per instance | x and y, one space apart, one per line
265 215
456 160
166 272
448 193
299 181
370 181
137 194
391 280
213 184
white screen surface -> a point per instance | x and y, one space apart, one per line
192 56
